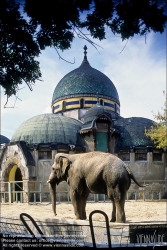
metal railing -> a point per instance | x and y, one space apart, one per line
39 192
46 234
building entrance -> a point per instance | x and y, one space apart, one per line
102 141
15 177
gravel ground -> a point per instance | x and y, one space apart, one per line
136 211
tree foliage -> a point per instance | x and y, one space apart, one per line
17 49
56 23
158 132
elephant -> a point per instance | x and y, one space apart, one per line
92 172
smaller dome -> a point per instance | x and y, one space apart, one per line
132 132
49 128
3 139
94 112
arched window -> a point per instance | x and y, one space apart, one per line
64 106
101 102
82 103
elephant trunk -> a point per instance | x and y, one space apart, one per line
52 189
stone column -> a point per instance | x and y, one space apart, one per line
132 159
54 152
25 191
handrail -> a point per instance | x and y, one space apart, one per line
38 229
92 230
33 222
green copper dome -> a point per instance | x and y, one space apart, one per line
95 111
132 132
49 128
85 81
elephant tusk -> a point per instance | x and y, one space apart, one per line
48 181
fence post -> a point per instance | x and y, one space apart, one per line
143 195
68 192
68 196
159 195
35 197
40 192
10 191
96 197
135 195
21 197
29 193
16 193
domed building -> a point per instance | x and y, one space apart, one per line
85 117
78 90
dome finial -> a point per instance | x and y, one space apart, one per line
85 52
85 61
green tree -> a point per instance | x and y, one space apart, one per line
55 23
18 49
158 132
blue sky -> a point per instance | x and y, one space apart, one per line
138 72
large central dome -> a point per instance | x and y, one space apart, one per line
83 81
87 83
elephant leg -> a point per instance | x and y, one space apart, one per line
118 195
110 194
85 195
76 200
120 212
113 215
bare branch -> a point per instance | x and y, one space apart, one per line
16 98
81 35
124 46
20 88
6 102
29 85
60 57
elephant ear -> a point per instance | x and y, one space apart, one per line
64 163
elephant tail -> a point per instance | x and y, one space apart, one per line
133 178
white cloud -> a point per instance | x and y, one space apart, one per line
139 78
47 110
